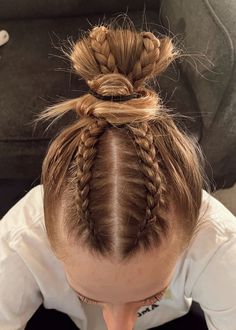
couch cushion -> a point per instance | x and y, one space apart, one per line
68 8
207 37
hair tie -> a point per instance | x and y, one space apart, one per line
115 98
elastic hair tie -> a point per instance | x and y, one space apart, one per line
115 98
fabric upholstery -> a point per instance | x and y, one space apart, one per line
207 31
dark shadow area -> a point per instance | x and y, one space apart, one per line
45 318
50 319
194 320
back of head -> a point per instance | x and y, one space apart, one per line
112 177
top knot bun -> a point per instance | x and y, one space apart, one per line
117 61
138 56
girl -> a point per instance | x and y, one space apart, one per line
123 232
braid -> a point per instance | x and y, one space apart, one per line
102 51
150 168
153 167
84 162
145 66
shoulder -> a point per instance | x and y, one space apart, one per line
216 224
217 215
215 287
24 215
210 260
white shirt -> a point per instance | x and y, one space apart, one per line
30 274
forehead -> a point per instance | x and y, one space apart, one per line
105 279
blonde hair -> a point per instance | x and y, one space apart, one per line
113 173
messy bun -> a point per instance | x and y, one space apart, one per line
118 62
117 171
137 56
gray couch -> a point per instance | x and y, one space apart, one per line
200 86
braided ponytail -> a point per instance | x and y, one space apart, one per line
122 167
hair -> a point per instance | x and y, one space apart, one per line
112 175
